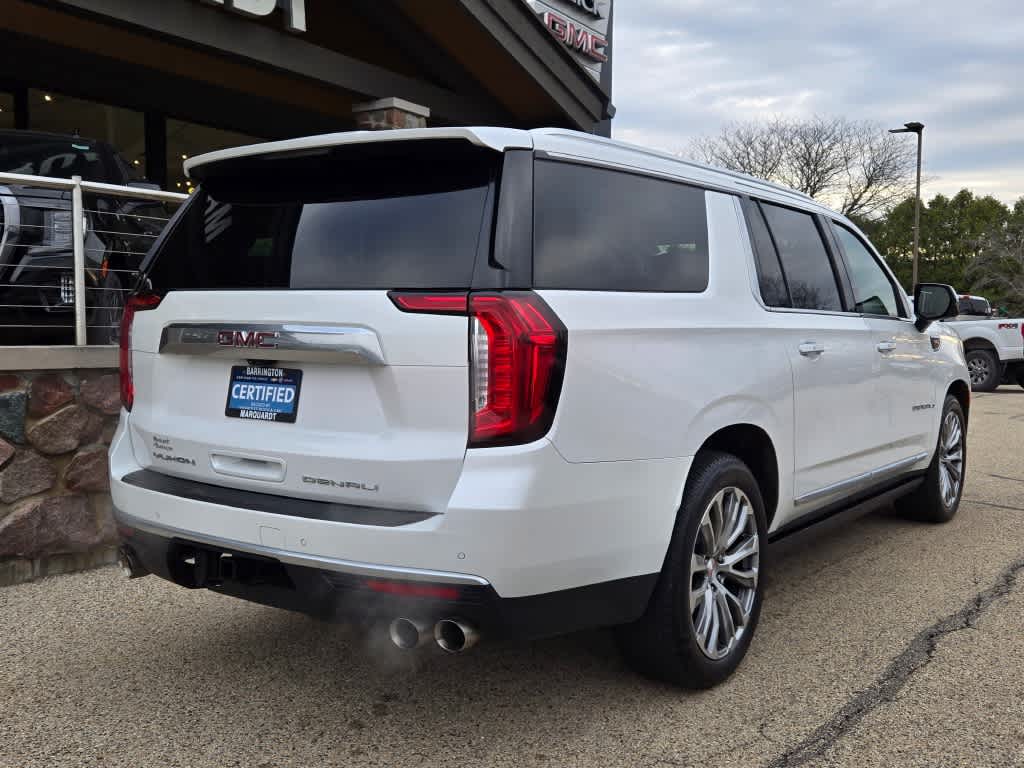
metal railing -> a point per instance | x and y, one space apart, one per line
111 231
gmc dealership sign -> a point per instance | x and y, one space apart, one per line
581 25
294 10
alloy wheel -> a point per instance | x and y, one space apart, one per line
977 367
723 572
951 459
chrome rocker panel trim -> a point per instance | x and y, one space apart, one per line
860 481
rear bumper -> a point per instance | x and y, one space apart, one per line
521 520
362 592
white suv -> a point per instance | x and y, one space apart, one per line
491 383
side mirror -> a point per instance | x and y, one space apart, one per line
933 301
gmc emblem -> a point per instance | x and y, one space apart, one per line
256 339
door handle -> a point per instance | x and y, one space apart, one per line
886 347
811 349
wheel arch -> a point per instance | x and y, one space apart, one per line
961 390
752 445
980 342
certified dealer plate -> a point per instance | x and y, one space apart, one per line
263 394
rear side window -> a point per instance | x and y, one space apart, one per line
771 281
806 263
603 230
397 215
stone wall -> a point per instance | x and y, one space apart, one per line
55 512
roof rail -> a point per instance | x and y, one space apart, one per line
739 176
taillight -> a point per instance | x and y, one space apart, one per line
138 303
431 303
517 352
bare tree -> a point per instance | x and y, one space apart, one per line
856 166
998 269
755 148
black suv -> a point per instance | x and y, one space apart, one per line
36 253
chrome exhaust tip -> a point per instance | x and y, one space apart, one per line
129 564
455 635
408 633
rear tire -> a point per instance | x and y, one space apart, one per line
983 366
934 501
704 610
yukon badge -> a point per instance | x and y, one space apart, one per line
252 339
175 459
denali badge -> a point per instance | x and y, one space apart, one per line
259 339
340 483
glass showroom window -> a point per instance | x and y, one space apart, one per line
185 140
123 129
6 110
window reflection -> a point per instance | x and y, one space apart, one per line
185 140
123 129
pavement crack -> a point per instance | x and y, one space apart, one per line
917 654
1007 477
763 730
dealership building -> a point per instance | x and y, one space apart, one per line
162 80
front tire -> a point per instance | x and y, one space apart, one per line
983 367
704 610
937 499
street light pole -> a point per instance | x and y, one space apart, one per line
917 128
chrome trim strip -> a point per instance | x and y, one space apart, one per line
285 341
307 561
859 480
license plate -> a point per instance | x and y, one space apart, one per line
263 394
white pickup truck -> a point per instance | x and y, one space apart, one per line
994 345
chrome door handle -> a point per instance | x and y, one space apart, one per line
811 349
886 346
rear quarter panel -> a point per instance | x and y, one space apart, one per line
653 375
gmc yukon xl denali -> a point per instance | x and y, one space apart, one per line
481 383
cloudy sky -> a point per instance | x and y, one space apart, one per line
685 67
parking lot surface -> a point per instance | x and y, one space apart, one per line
883 642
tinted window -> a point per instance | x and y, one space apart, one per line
379 217
596 229
969 306
774 292
812 283
873 292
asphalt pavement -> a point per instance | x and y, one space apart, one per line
882 643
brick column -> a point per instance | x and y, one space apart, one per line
389 114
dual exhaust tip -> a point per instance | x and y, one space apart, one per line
129 564
451 635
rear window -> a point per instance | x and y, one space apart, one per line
603 230
974 306
377 216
